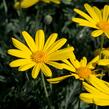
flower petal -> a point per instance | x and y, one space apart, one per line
107 34
58 79
60 54
96 33
105 13
20 45
25 3
50 41
83 22
26 67
19 53
57 45
83 62
20 62
55 64
46 70
99 84
36 70
101 100
98 12
93 62
68 67
87 97
91 12
29 40
103 62
86 16
39 39
91 89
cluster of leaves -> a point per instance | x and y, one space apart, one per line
19 90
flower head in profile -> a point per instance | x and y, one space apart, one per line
39 54
80 70
97 91
104 52
96 18
29 3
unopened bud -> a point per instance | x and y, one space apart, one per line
48 19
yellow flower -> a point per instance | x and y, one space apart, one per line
38 54
98 91
104 53
80 70
29 3
96 18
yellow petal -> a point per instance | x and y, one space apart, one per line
29 40
101 101
50 41
36 70
57 45
105 13
98 12
20 62
107 34
26 67
46 70
55 64
20 45
91 89
67 62
19 53
25 3
39 39
83 62
83 22
91 12
93 62
99 84
103 62
96 33
86 16
58 79
60 54
75 63
86 97
68 67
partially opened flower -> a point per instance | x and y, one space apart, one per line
97 92
80 70
29 3
96 18
104 52
38 53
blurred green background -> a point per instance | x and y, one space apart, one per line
18 89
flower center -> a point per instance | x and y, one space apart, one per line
83 72
39 56
103 26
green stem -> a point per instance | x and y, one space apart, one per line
45 90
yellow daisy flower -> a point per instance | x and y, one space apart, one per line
38 54
96 18
98 92
29 3
80 70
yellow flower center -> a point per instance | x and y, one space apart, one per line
103 26
83 72
39 56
